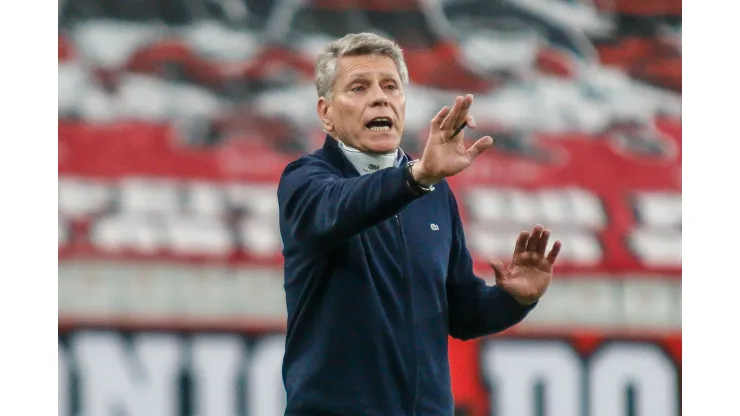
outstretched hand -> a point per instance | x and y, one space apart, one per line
445 153
530 272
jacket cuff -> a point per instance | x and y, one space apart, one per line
518 306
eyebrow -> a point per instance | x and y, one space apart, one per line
365 75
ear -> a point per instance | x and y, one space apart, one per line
322 108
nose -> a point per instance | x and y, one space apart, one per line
378 97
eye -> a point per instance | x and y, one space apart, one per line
358 88
390 87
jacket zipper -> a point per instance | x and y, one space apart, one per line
410 315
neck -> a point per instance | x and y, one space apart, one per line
367 162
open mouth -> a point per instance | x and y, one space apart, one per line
380 124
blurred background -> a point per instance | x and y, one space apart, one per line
176 118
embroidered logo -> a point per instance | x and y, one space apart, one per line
434 227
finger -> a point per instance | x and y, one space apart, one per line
463 116
437 120
553 255
479 147
542 246
534 240
521 242
449 121
470 121
498 268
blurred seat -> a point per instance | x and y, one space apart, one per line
73 83
216 41
98 106
144 98
192 101
198 236
583 248
294 103
524 207
586 209
570 208
148 98
128 233
513 106
659 209
108 43
560 101
625 99
259 237
656 238
487 205
204 199
657 247
490 242
556 208
581 16
259 201
80 198
258 229
511 50
145 196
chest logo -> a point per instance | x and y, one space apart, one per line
434 227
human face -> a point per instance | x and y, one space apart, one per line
368 106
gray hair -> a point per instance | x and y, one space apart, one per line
355 44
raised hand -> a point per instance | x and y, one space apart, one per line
445 153
530 271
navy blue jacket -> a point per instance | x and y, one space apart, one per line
376 278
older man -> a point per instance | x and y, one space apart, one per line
377 273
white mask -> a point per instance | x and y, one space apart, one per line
367 162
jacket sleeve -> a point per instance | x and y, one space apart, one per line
475 309
321 209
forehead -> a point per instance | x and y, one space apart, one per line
366 66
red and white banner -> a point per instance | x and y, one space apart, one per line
574 373
219 374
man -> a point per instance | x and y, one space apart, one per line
377 274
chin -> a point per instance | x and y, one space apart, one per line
384 143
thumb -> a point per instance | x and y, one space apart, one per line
479 147
498 268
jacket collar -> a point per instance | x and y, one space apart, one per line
336 158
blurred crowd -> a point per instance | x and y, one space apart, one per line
177 116
242 70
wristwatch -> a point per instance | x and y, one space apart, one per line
415 186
